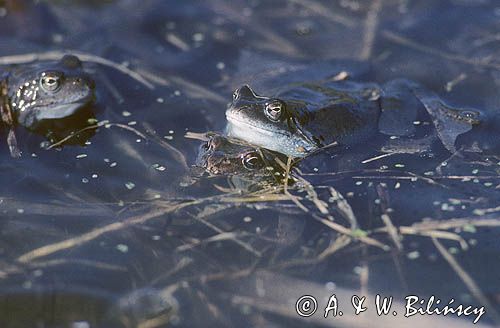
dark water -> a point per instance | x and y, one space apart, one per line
118 232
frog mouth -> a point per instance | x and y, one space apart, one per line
237 122
61 111
295 144
250 128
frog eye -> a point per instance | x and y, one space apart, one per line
274 110
206 146
469 114
50 81
252 161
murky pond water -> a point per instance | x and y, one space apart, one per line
116 228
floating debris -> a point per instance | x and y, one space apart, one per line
122 248
130 185
159 167
413 255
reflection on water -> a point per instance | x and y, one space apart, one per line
113 228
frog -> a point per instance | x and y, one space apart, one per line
246 167
47 90
303 118
220 155
34 94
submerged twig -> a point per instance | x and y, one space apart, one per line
63 140
429 50
55 55
346 231
392 231
221 235
7 119
326 12
86 237
93 127
176 153
467 280
196 90
371 24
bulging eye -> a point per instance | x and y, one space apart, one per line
50 81
274 110
468 114
244 92
252 161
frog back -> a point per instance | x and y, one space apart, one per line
340 112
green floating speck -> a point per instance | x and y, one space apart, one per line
122 248
469 228
413 255
359 233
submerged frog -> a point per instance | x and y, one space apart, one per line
248 168
31 95
223 156
303 118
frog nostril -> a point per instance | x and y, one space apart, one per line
242 108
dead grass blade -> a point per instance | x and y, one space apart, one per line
86 57
392 231
346 231
467 280
439 234
371 25
399 39
176 153
326 12
86 237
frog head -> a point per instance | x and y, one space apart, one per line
270 123
49 90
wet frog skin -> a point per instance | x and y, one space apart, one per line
248 168
222 156
303 118
47 90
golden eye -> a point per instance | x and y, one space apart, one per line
274 110
252 161
50 82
